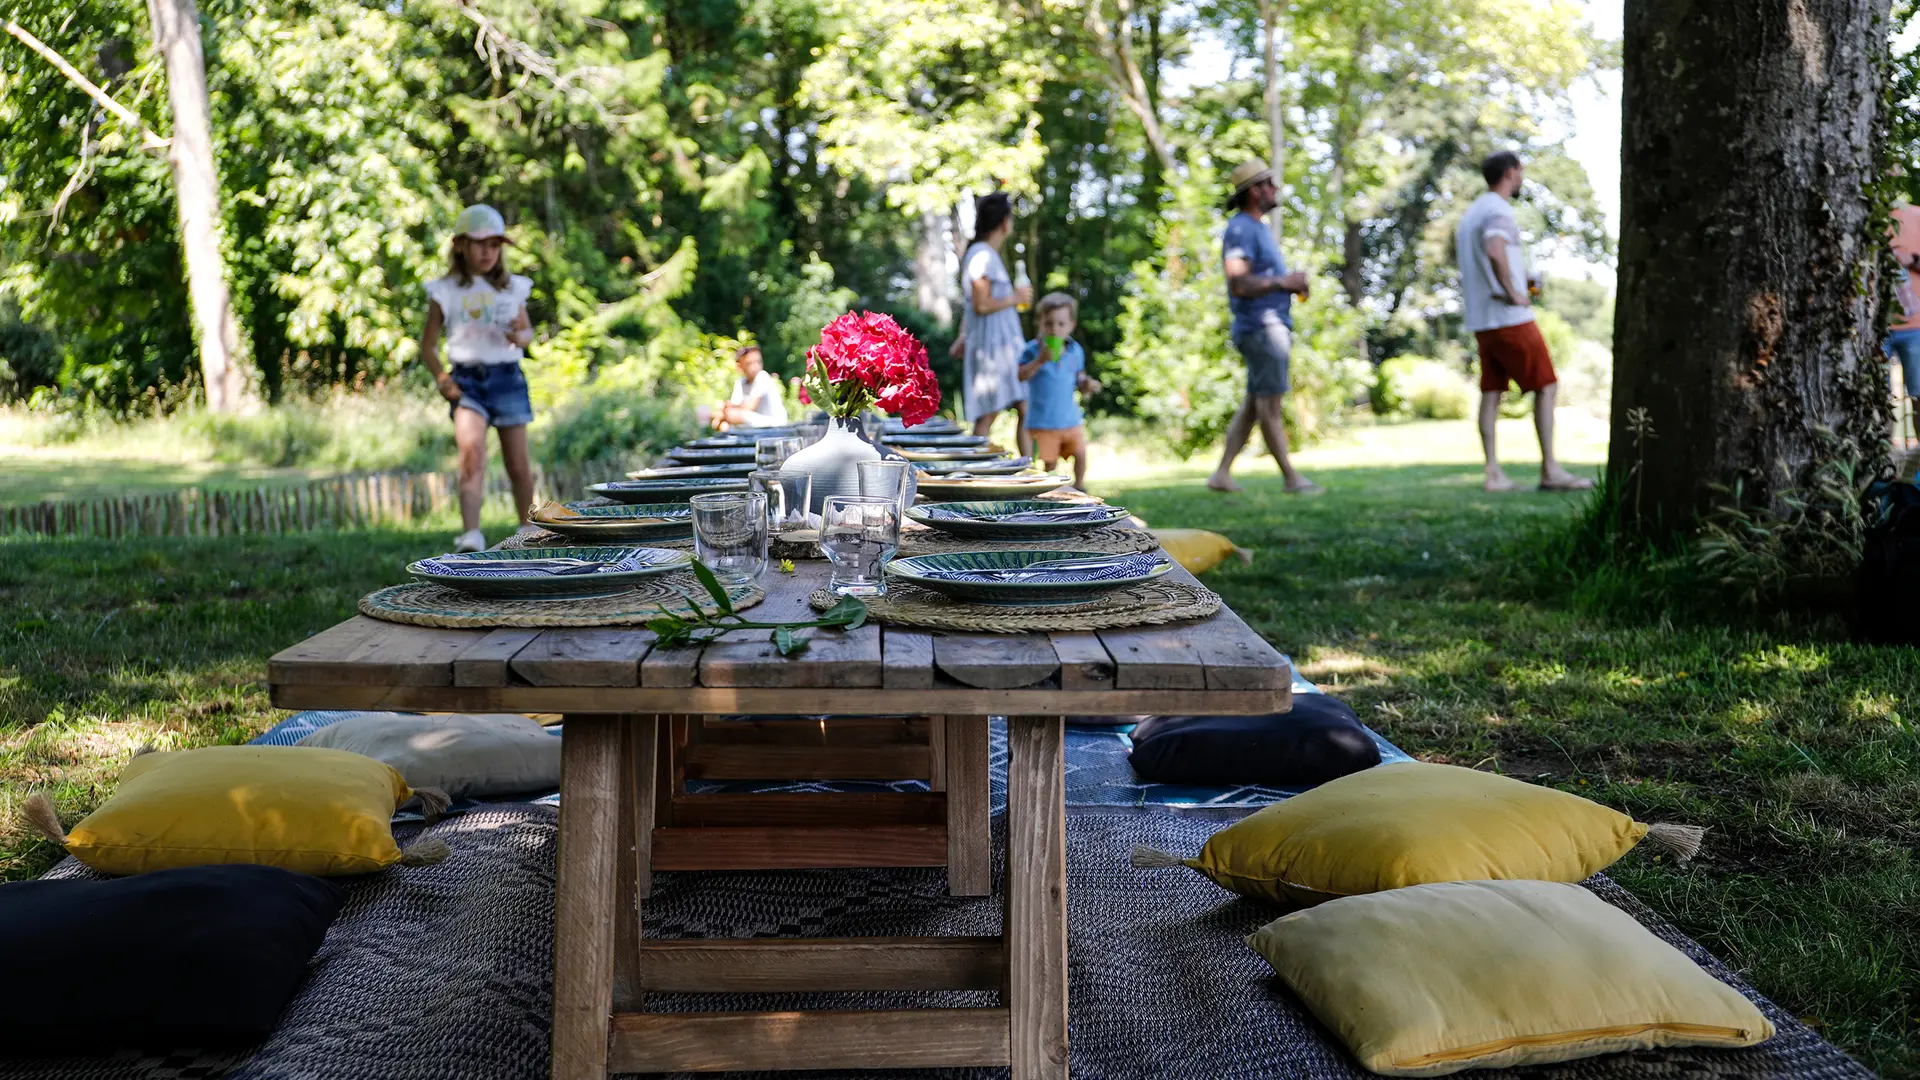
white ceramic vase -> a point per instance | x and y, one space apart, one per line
833 462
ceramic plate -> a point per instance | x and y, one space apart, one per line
1021 578
653 522
953 453
694 471
665 488
1000 520
915 438
939 425
979 468
492 574
713 455
946 489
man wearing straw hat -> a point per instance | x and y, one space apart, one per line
1260 293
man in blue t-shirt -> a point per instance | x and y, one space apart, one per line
1260 293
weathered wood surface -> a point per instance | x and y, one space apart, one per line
585 904
849 1039
995 661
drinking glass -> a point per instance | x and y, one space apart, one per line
887 478
788 496
860 533
871 425
730 534
772 453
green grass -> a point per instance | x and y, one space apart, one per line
1405 590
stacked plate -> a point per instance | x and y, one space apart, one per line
1028 578
666 488
939 425
692 471
995 467
920 438
977 488
651 523
569 573
988 452
730 454
1020 519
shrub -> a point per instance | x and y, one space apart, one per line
1414 387
606 420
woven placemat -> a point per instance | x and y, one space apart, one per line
1108 540
1146 604
425 604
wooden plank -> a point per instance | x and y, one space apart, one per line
906 659
633 849
708 761
832 658
584 901
763 848
1036 897
369 652
807 809
1238 658
676 667
995 661
1155 657
969 806
484 663
1084 663
814 731
842 1039
771 966
609 657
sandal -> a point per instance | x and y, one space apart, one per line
1575 483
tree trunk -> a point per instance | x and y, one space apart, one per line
933 279
196 181
1749 260
1276 105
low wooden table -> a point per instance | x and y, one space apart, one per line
617 689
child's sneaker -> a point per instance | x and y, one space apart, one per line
471 540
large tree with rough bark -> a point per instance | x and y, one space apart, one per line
1747 357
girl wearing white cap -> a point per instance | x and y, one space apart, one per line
482 310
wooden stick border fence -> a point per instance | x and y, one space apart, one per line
358 500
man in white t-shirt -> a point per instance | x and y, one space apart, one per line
1497 289
755 401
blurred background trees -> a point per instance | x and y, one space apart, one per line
678 173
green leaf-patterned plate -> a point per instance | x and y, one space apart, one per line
665 488
491 573
986 520
1029 583
645 523
977 488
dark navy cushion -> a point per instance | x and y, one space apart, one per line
199 957
1320 740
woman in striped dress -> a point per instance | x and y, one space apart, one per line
991 326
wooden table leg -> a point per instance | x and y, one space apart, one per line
584 901
967 769
1036 924
638 775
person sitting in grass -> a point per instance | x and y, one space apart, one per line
755 402
1053 366
482 311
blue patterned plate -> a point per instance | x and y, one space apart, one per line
975 488
1028 578
694 471
939 425
665 488
1019 519
952 453
977 468
916 438
559 573
713 455
652 522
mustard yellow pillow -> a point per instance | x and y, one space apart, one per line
1435 979
1413 824
1199 550
306 809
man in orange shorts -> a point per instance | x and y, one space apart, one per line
1497 290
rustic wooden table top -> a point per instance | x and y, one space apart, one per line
1216 665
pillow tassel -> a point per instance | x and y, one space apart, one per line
1680 841
45 820
425 852
433 802
1146 858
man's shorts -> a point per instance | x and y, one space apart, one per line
1054 444
1268 351
1904 346
1517 354
495 391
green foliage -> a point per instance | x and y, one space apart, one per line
606 419
1416 388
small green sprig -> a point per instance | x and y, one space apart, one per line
673 630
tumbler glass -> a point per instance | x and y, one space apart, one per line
813 432
772 453
872 424
788 496
887 478
730 534
860 534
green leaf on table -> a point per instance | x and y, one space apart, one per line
713 586
849 614
786 641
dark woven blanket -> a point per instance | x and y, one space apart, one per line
442 973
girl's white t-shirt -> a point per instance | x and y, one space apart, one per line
770 410
477 317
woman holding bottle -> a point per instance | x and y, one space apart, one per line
991 326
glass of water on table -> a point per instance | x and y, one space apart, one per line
730 534
860 534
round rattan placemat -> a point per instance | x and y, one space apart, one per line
1146 604
1109 540
423 604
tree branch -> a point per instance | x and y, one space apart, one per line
148 138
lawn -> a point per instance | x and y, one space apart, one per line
1404 589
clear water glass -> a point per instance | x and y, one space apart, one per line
788 496
730 534
813 433
773 453
871 425
860 534
887 478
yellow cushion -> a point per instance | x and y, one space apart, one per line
1197 549
1412 824
306 809
1434 979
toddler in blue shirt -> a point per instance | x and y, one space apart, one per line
1053 366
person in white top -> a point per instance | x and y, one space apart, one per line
1497 289
755 401
481 310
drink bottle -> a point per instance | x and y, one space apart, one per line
1020 281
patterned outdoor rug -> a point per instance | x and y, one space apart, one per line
442 972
